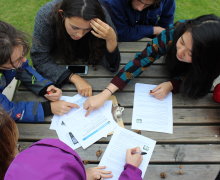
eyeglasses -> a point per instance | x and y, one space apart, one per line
13 64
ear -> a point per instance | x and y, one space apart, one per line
60 11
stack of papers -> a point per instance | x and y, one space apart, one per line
114 157
76 130
150 113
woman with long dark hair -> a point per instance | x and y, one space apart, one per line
191 54
51 159
73 32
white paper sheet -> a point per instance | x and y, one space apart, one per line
90 129
86 130
77 99
114 157
66 136
150 113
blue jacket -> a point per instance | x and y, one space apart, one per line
23 111
133 25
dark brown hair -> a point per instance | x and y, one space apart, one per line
87 10
9 39
8 141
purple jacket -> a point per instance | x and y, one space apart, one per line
51 159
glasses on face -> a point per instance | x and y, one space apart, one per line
13 64
146 4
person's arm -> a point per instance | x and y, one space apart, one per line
32 79
23 111
42 45
111 58
126 32
153 51
133 161
168 12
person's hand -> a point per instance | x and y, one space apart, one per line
102 30
161 91
61 107
53 93
158 30
97 173
94 102
82 86
134 159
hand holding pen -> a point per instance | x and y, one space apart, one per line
53 93
162 90
134 157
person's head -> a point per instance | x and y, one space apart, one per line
13 47
77 15
140 5
72 19
194 53
8 141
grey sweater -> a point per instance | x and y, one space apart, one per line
44 42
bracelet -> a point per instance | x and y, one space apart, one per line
71 75
109 90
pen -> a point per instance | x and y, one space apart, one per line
51 91
141 153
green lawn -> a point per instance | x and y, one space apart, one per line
21 13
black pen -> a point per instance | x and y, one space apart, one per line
141 153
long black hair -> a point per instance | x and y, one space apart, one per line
205 67
9 39
86 9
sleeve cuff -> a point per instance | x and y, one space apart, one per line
47 108
64 78
133 169
44 90
176 85
118 82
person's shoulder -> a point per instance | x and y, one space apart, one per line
47 8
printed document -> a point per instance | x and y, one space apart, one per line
76 130
114 157
90 129
149 113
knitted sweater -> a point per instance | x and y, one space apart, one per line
154 50
44 42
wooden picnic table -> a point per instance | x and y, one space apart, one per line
192 152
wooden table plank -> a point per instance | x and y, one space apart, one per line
180 116
126 99
98 84
155 70
169 153
179 172
181 134
187 172
131 47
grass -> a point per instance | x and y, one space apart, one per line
21 13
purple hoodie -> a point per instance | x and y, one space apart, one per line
51 159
